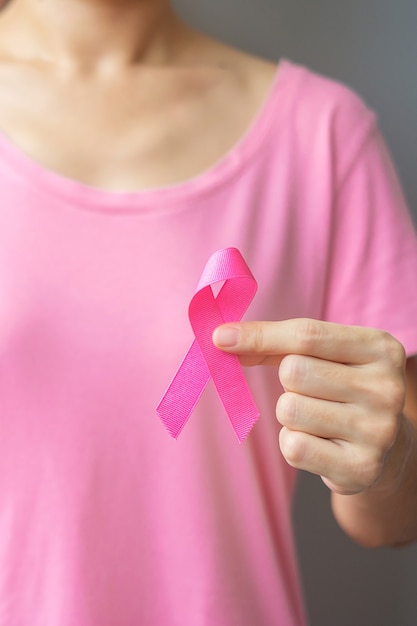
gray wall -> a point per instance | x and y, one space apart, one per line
372 46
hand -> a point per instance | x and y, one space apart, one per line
344 391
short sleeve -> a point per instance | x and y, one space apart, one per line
372 275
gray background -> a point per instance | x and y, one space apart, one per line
372 46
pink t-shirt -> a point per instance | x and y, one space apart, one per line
105 520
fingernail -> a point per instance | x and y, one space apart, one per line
226 336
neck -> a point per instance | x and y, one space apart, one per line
94 35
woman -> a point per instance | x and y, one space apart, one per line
132 148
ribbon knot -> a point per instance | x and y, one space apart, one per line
203 360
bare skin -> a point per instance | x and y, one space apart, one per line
348 414
115 114
124 96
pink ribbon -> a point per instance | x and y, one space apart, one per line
203 360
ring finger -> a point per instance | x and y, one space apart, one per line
329 420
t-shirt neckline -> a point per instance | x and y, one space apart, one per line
84 196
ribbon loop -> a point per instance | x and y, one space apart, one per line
203 360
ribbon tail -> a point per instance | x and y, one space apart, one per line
184 391
234 394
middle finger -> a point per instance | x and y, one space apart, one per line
322 379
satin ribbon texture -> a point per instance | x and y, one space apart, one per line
203 360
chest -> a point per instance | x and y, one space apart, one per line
149 131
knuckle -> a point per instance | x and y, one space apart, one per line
355 422
256 339
308 333
387 393
391 349
376 430
394 393
385 433
362 470
369 469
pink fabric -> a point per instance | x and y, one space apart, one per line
203 359
105 520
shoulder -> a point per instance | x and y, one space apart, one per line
323 119
316 92
326 105
309 98
244 78
326 122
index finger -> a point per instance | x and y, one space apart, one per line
270 341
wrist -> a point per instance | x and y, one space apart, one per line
386 513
